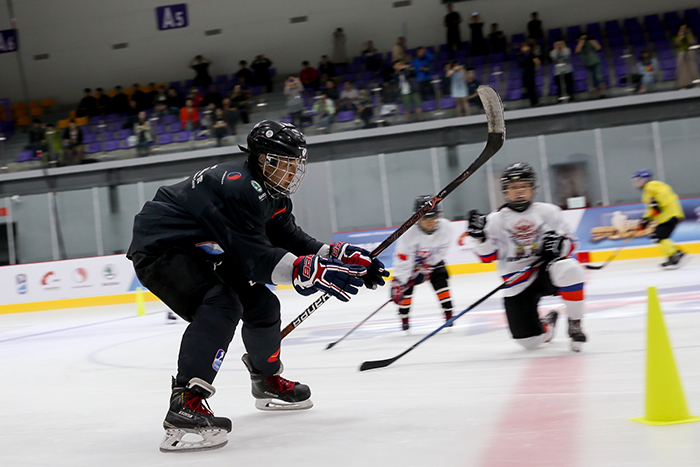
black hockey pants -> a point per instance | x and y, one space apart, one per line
213 300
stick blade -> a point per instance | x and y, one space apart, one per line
331 345
493 106
594 267
374 364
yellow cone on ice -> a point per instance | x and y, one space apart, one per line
140 305
665 402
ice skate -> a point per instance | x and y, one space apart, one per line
448 316
190 414
549 323
576 333
405 326
675 261
277 393
170 317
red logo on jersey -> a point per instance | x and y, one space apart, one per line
273 358
233 176
524 232
279 211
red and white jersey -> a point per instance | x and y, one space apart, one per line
416 249
513 239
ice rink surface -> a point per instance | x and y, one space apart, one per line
90 386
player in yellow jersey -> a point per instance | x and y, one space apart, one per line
662 207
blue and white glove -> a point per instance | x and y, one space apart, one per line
351 254
313 273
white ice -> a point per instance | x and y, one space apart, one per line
90 387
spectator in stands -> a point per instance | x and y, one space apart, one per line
563 70
365 108
472 85
189 116
37 137
332 91
340 55
151 95
422 65
175 101
648 70
201 65
309 76
120 101
451 23
220 126
477 33
588 47
446 81
326 69
196 95
405 79
534 27
295 104
230 114
73 144
88 105
104 103
261 72
348 97
497 40
212 97
373 61
206 120
241 101
144 138
54 143
529 62
398 52
325 109
132 115
244 73
458 88
686 66
160 103
139 97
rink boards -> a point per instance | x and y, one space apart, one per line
108 280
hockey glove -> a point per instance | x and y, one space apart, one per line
552 246
313 273
476 225
351 254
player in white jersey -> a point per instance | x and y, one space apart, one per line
520 233
420 255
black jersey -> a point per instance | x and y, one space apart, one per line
227 204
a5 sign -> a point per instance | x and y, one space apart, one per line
172 16
8 41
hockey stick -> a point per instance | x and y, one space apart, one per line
410 284
612 256
497 135
373 364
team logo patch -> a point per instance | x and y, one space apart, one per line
257 186
21 280
218 360
274 357
269 133
233 176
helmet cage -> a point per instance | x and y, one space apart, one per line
274 177
521 204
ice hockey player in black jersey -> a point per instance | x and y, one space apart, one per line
207 247
523 232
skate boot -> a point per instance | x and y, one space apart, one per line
549 323
277 393
189 413
448 316
674 261
576 334
404 322
170 317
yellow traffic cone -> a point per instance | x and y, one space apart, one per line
140 306
665 402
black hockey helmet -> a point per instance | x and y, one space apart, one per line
278 141
518 172
434 213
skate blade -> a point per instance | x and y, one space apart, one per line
211 439
279 405
576 346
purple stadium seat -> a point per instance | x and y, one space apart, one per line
112 117
429 105
447 103
182 137
517 39
164 138
95 120
25 156
667 63
366 75
580 86
89 138
461 54
114 126
616 41
92 148
286 119
354 68
652 22
572 33
124 144
112 145
657 35
257 90
221 79
169 119
122 134
669 75
159 129
514 94
345 116
637 39
632 26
